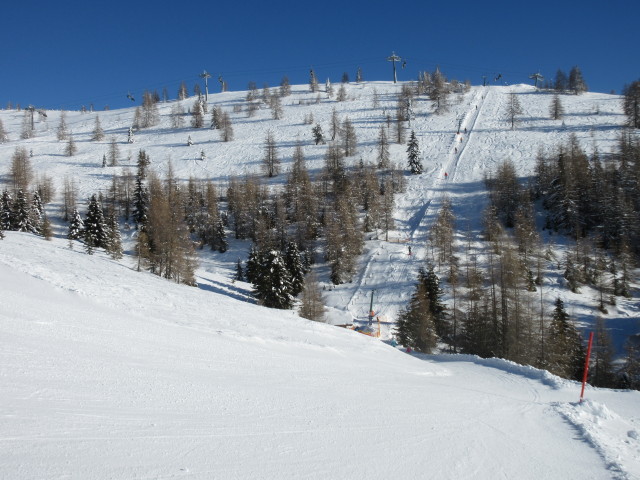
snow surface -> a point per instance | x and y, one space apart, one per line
111 373
385 267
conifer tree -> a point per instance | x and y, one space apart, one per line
561 82
114 153
400 130
439 92
631 104
76 226
183 92
335 124
342 93
21 173
434 293
273 283
514 109
46 230
556 110
415 327
36 212
601 370
98 133
62 131
3 133
383 157
564 345
275 104
576 81
216 118
253 264
293 262
197 115
114 242
226 128
630 371
318 136
285 87
21 217
71 149
413 154
271 161
6 211
311 306
95 227
149 115
349 138
177 115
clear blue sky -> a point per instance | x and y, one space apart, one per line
68 53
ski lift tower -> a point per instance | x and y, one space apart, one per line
31 109
394 58
206 75
535 77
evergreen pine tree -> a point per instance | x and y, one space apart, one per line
21 217
576 82
114 244
413 153
76 226
631 104
273 285
253 264
293 262
565 351
36 212
415 327
318 136
6 211
97 133
218 239
95 228
197 115
434 293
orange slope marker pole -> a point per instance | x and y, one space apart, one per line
586 366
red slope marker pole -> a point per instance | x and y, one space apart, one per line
586 366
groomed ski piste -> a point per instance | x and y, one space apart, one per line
111 373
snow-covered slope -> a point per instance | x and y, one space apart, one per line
106 372
485 140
